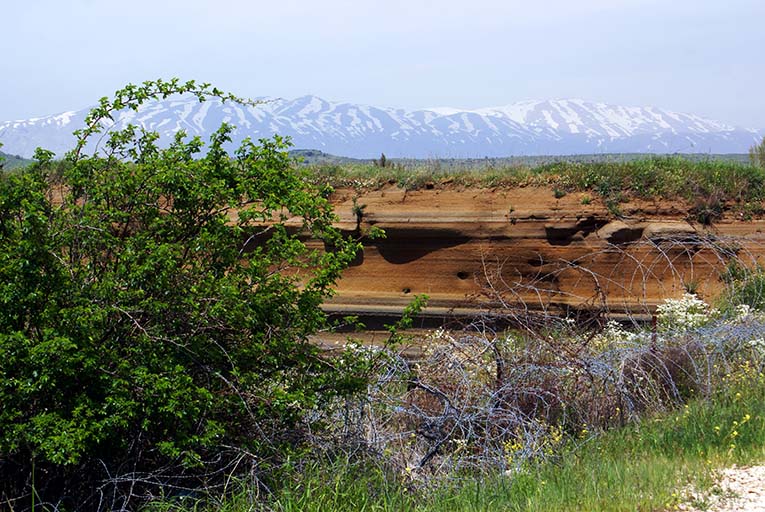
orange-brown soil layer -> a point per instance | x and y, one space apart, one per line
471 250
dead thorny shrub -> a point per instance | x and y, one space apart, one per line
498 393
448 411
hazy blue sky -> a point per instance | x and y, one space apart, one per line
699 56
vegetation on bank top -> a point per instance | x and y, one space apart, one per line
645 177
710 186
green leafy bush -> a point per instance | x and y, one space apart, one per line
155 308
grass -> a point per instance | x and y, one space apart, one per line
712 183
641 467
645 466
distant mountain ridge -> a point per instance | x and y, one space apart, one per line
548 127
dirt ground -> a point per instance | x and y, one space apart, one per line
740 489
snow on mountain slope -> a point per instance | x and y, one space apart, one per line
566 126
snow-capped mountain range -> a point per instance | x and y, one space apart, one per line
552 127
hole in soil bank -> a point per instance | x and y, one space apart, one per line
406 291
462 275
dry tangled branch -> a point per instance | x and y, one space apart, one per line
529 376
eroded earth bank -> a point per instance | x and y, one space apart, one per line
477 250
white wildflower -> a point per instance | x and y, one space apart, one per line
741 312
758 344
687 312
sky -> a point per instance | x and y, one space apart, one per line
697 56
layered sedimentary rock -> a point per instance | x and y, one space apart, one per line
474 250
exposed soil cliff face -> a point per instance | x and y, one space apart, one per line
473 249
